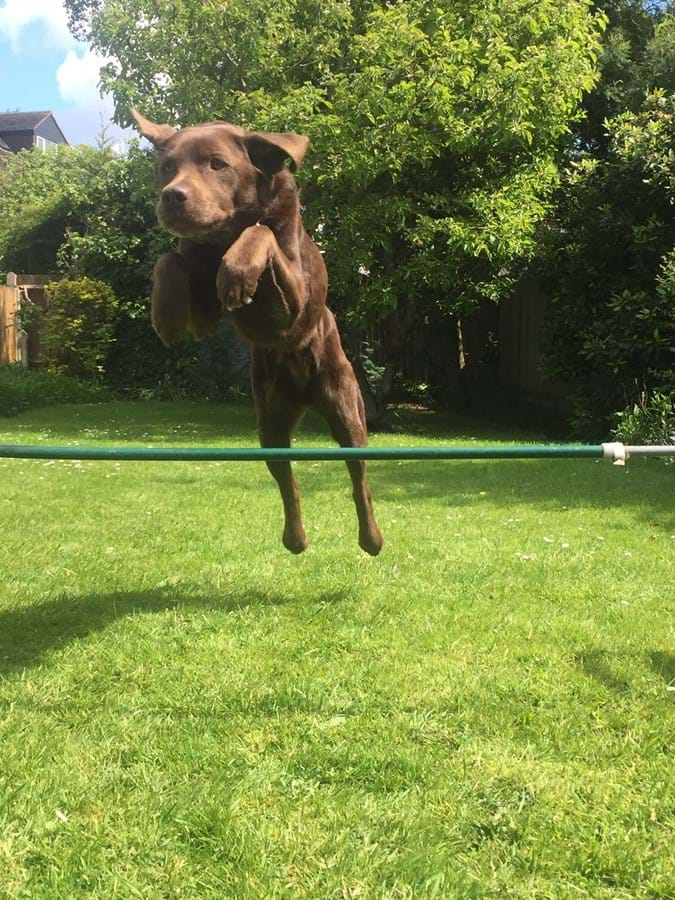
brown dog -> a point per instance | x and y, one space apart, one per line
225 192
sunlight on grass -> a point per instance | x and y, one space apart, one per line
186 710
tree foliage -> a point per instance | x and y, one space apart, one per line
81 211
632 62
611 268
434 126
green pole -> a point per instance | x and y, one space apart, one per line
258 454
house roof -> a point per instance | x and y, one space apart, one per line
3 147
27 121
22 121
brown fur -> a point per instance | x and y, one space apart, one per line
243 251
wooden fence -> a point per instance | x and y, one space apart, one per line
521 357
17 346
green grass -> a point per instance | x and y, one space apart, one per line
188 711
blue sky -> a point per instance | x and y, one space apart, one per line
43 67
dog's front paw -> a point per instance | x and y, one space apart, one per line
235 287
242 266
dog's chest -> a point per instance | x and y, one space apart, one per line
267 318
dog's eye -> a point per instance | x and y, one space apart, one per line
217 163
167 167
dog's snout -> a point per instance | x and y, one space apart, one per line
174 196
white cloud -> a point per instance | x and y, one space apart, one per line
78 78
16 15
89 111
85 110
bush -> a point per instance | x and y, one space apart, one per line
78 327
139 366
650 421
22 389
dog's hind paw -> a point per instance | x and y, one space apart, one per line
371 542
294 541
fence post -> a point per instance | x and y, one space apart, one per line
10 350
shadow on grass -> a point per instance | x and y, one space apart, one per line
554 484
663 664
198 422
557 485
594 663
27 633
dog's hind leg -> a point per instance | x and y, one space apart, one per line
278 414
339 400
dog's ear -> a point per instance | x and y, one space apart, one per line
156 134
269 151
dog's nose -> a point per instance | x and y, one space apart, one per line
174 196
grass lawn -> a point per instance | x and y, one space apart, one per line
188 711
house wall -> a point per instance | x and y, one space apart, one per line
49 130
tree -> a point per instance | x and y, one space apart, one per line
434 126
606 258
638 55
610 267
81 211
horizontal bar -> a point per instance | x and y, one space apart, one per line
249 454
654 450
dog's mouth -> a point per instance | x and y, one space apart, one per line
183 223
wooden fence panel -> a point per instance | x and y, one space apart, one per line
9 337
521 358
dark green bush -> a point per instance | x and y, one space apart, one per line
649 421
139 366
22 389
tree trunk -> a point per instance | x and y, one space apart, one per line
459 389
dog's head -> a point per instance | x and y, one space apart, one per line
214 174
